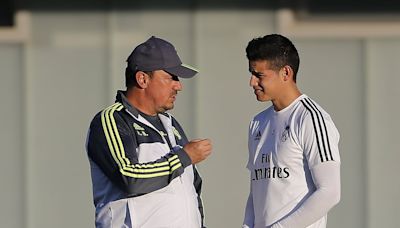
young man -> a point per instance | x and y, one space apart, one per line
142 164
293 145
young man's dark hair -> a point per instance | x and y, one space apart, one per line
276 49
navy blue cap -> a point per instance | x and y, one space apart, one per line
159 54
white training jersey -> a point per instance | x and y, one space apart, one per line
283 147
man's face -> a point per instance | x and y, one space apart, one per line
162 90
264 80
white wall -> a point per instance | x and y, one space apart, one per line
12 155
67 82
71 65
382 114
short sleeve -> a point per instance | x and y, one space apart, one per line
319 138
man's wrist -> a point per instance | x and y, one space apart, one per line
183 156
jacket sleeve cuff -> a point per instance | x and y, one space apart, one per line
183 157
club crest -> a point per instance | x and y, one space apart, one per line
285 134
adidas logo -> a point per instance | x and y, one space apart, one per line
139 130
138 127
258 136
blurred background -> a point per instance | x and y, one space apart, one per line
62 61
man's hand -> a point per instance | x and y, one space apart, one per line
198 149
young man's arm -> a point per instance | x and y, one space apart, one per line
319 138
327 181
249 212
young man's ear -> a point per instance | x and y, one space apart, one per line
286 72
141 79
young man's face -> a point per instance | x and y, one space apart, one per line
265 81
162 90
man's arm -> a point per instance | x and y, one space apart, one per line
112 147
327 181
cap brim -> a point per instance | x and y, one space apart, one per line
182 71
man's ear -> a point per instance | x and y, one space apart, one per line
286 72
141 79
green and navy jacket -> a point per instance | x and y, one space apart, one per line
139 180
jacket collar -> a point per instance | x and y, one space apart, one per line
124 101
